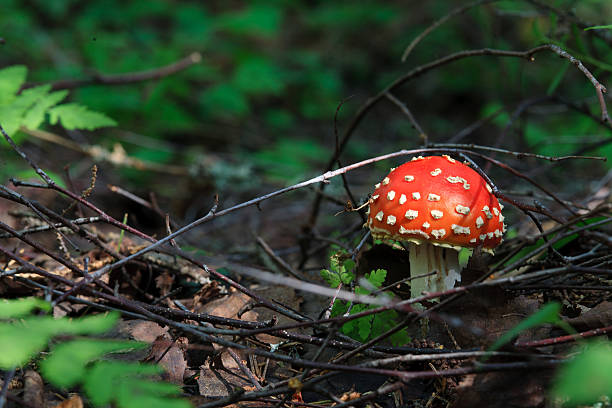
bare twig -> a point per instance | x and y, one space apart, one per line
128 78
410 116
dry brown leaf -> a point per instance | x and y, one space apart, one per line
74 401
229 306
33 389
171 356
599 316
141 330
215 383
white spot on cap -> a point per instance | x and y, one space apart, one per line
403 230
392 168
482 237
375 197
411 214
436 214
479 222
495 211
416 195
391 195
379 216
489 189
487 212
457 179
447 157
409 178
391 220
461 209
417 158
433 197
473 240
426 225
497 233
439 233
402 199
436 172
458 229
501 217
501 206
376 185
386 181
490 234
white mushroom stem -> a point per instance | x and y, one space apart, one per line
426 258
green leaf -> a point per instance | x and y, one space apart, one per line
377 277
36 115
18 344
364 325
67 364
19 341
21 307
586 378
11 79
263 20
109 381
224 100
332 278
75 116
599 27
549 313
139 393
10 118
258 76
96 324
349 265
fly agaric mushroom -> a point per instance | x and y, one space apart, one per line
438 205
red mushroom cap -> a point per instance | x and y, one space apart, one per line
439 200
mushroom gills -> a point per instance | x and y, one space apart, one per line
426 258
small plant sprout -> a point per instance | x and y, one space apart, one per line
438 206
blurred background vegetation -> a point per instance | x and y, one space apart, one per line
258 109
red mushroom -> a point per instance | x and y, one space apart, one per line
438 205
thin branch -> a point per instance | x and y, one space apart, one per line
566 339
411 118
439 22
127 78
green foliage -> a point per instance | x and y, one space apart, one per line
289 160
607 27
548 314
78 362
22 339
366 327
21 307
587 377
30 107
75 116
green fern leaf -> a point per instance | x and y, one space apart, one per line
75 116
107 381
35 116
11 79
67 363
19 341
21 307
377 277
